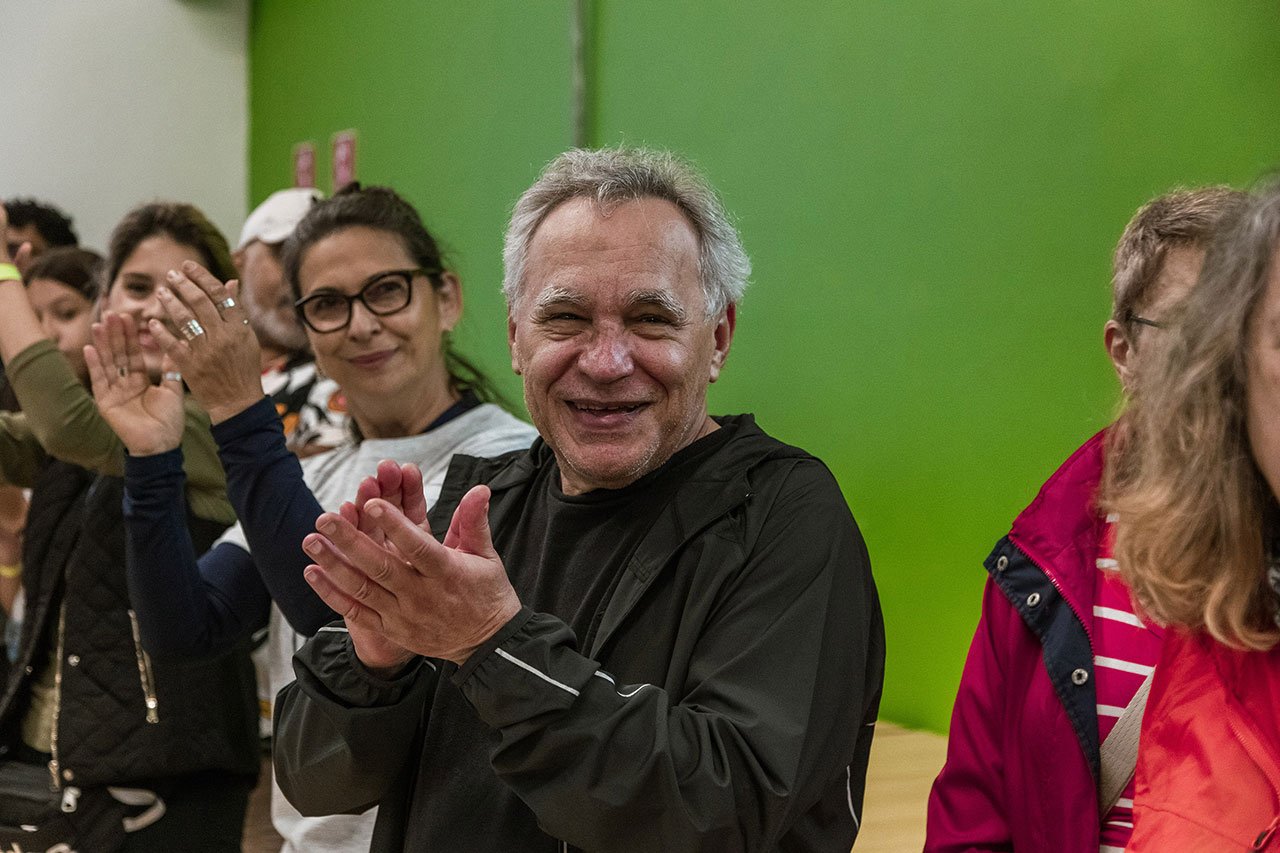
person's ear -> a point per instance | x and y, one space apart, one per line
723 339
448 294
511 342
1120 350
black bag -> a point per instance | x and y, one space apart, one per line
36 818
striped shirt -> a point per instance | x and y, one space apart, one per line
1125 650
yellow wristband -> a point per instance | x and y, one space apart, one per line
10 570
8 272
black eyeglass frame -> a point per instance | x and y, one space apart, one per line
300 305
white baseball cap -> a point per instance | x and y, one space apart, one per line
274 220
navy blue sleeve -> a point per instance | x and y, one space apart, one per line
184 608
275 508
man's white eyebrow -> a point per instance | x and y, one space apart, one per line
662 299
561 296
557 296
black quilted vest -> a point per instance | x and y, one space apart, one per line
202 714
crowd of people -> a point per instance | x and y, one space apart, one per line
265 484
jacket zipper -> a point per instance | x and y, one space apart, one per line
1263 841
70 794
1246 738
54 773
144 672
1053 581
1264 838
1088 629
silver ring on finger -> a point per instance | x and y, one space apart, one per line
122 371
191 329
227 303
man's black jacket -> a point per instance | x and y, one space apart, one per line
726 702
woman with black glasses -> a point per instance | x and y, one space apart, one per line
379 305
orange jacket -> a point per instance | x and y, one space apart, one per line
1208 774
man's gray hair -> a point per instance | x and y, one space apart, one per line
615 175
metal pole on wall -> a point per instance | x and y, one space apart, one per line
578 44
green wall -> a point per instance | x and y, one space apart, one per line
929 191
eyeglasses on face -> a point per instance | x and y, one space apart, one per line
1143 321
381 293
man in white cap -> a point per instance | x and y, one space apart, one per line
310 406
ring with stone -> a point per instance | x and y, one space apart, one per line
172 376
227 303
122 371
191 330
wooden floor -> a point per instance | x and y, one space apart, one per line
259 837
903 764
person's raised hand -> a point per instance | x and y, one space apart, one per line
214 347
401 486
374 650
440 601
148 418
398 485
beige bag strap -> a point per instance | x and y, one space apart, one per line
1118 755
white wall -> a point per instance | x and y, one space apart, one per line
108 103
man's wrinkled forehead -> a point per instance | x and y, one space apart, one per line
574 223
582 237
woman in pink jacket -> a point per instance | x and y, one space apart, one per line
1195 477
1058 654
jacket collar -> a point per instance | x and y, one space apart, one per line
1061 529
716 487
